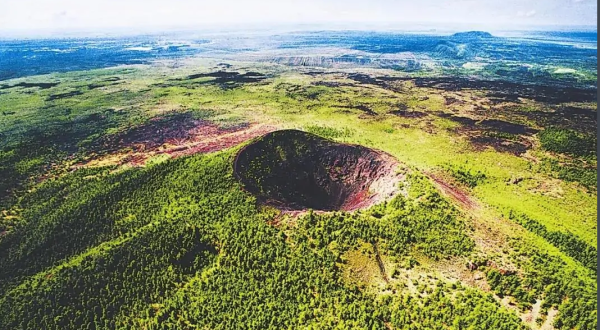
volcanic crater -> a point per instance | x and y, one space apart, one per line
295 170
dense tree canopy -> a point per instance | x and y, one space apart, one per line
180 245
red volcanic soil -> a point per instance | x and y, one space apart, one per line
176 136
216 139
457 194
294 170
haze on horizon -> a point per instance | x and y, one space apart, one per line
25 17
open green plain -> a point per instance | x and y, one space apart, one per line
89 241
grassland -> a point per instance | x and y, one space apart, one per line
86 161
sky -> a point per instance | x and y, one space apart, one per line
25 16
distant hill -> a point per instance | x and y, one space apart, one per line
473 35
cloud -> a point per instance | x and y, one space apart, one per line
60 14
530 13
577 1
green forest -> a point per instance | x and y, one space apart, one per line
181 245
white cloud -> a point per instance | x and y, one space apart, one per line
530 13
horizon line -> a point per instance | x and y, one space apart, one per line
291 27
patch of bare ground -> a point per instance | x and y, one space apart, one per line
533 316
548 324
548 187
219 140
454 270
173 137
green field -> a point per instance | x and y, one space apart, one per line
104 225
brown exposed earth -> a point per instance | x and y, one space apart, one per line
219 139
173 136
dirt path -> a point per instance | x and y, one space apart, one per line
457 194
